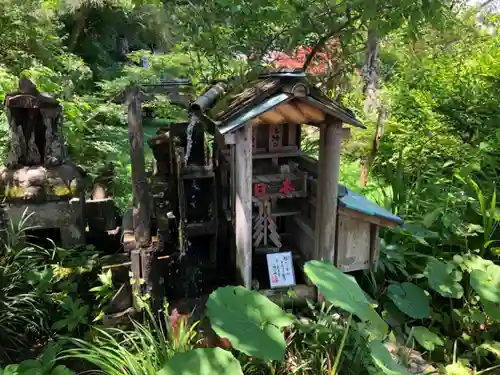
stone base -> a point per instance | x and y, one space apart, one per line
40 183
67 216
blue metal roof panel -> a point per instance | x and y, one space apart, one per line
360 203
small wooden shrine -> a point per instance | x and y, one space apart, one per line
275 198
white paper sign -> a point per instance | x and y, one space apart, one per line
280 269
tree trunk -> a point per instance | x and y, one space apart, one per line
373 108
80 21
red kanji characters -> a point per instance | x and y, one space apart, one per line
259 190
286 187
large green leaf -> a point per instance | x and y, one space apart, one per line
410 299
202 362
444 278
492 310
338 288
10 370
457 368
471 262
250 321
487 283
490 346
427 339
384 360
343 291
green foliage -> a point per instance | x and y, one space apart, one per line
486 283
144 349
202 362
438 79
444 278
250 321
410 299
46 365
338 288
75 314
384 360
426 338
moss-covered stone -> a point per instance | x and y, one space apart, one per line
14 192
40 183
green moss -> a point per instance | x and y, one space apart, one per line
61 190
15 192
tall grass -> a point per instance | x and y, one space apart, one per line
22 313
322 344
143 350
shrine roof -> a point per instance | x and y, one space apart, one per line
232 107
357 202
26 100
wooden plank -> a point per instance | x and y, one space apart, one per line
304 226
201 229
206 169
368 218
243 204
271 155
374 245
275 137
279 211
354 240
329 186
198 175
140 189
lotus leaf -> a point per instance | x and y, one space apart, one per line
410 299
250 321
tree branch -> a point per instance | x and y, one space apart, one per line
322 41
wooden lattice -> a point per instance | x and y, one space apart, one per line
265 229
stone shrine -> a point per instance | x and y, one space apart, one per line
39 185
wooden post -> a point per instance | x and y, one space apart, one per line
329 185
243 204
150 276
139 180
319 191
135 265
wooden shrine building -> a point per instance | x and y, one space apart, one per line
276 199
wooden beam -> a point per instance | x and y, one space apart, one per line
243 204
319 190
379 221
328 187
140 188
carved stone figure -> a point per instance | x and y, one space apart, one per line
35 121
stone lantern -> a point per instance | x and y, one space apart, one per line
38 184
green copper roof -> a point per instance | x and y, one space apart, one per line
357 202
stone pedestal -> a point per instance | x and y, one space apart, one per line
45 197
63 215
